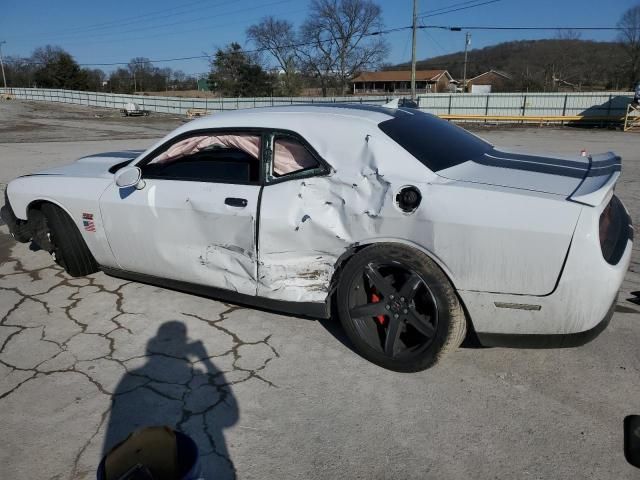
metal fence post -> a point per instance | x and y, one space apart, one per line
564 108
450 99
486 109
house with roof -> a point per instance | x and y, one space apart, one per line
487 82
399 81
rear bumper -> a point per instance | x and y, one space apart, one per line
577 310
566 340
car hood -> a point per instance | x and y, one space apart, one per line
559 175
94 166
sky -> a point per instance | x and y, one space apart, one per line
118 30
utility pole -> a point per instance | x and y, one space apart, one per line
467 42
413 51
4 79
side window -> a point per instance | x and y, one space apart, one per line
290 156
215 157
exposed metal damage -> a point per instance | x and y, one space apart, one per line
332 211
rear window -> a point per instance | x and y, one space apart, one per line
437 143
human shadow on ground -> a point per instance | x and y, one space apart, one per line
179 386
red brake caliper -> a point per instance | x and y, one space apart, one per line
375 298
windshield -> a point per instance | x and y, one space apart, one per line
436 143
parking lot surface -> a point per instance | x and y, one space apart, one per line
269 396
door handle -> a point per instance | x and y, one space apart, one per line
235 202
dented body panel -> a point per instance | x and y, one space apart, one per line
184 231
507 228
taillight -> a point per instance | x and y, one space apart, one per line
614 231
605 230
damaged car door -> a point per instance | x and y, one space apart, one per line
191 214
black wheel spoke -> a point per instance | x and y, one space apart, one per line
378 281
419 323
368 310
392 309
368 331
408 290
393 336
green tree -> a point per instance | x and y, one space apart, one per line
57 69
121 81
95 78
234 73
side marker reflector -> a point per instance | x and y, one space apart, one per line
517 306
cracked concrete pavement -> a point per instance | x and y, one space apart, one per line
89 358
83 361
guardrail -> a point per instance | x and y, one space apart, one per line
494 107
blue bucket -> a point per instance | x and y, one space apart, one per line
186 453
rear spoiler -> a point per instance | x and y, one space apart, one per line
599 181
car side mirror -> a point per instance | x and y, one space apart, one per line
129 177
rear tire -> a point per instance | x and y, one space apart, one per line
68 247
399 308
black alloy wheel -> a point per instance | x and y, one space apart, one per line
393 309
398 308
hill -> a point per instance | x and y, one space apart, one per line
545 65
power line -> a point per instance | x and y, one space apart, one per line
128 20
172 24
475 27
451 10
453 5
255 50
121 39
433 39
370 34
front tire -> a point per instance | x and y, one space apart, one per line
68 247
398 308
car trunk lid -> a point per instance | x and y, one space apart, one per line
583 179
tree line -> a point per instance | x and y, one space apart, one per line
53 67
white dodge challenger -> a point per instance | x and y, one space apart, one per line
409 229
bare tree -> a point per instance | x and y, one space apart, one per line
630 39
140 69
339 42
568 34
279 39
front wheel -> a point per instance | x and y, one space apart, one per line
67 245
398 308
